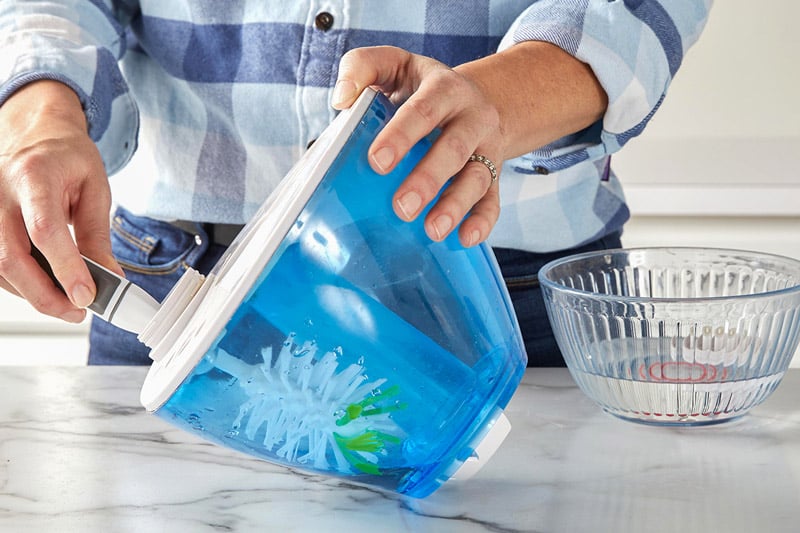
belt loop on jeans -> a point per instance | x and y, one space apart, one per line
220 234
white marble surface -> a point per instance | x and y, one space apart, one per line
78 453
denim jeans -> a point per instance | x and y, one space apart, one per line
155 255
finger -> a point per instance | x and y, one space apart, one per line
47 227
92 228
482 218
463 123
436 103
467 190
6 286
23 276
446 158
364 67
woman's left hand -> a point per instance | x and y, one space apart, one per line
432 95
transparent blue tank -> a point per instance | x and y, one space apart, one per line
363 350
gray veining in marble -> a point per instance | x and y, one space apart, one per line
78 453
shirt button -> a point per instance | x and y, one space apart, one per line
323 21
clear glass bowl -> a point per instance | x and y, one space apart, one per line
675 336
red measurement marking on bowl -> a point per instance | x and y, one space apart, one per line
681 372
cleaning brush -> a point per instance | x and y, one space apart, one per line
305 409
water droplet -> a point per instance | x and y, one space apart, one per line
339 413
232 434
309 323
361 360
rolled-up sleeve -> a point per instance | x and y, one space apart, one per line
79 43
634 48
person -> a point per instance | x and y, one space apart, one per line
197 110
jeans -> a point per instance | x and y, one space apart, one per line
155 254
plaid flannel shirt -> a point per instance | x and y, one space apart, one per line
199 108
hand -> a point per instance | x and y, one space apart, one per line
500 106
432 95
51 175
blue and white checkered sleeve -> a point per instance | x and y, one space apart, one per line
633 46
77 42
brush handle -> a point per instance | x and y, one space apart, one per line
117 300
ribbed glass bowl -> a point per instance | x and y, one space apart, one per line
675 336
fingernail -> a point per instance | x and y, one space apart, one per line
343 91
409 204
474 237
442 225
82 296
75 316
383 158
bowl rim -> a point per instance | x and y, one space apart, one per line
553 285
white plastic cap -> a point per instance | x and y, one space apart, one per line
494 437
160 328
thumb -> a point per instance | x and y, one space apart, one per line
369 66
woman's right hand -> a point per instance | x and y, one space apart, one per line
51 177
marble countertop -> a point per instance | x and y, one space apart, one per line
78 453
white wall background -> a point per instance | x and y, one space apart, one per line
719 164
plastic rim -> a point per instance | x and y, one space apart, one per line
546 281
489 442
174 308
234 275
